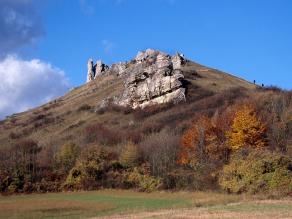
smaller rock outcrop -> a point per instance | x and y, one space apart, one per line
96 70
177 60
149 54
90 70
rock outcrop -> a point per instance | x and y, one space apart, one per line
96 70
153 77
153 80
119 68
90 70
177 60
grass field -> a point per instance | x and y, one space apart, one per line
129 204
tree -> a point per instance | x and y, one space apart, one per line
259 171
203 142
67 156
160 150
247 130
25 157
130 155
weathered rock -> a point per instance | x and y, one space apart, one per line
100 68
177 61
149 54
96 70
152 80
175 97
90 71
119 68
153 77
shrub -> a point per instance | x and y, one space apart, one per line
140 178
90 171
98 133
188 179
14 135
258 172
151 110
84 107
160 151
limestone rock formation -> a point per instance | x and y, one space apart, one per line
119 68
100 68
153 77
96 70
153 80
90 70
177 60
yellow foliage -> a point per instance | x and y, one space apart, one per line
130 155
247 130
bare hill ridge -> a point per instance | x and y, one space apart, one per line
151 78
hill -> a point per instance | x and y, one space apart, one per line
66 117
157 121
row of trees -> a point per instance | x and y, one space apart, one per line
234 149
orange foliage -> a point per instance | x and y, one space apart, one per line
202 142
247 130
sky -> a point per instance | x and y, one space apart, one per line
45 44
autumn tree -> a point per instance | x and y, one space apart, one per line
247 130
129 156
67 156
204 141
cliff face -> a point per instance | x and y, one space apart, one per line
153 77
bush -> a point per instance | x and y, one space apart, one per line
84 107
188 179
151 110
258 172
140 178
98 133
160 151
91 170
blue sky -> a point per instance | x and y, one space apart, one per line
53 39
249 38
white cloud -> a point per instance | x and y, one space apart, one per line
26 84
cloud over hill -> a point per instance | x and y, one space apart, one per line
25 84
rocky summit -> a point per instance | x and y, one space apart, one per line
152 77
